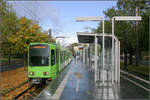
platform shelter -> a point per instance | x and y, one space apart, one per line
106 65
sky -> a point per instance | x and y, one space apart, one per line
60 16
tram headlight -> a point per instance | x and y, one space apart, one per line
45 73
31 73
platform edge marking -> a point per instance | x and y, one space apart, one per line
61 87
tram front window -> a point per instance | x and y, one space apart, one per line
39 55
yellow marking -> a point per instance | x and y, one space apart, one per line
78 75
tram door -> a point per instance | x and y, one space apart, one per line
53 62
57 59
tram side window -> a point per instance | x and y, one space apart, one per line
52 57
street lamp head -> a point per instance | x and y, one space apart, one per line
127 18
82 19
61 37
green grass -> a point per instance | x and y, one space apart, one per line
141 69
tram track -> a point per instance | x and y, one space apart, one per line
138 81
24 91
31 92
12 89
20 94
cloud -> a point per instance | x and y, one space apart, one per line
70 38
54 15
42 11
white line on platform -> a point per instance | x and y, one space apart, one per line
61 87
136 83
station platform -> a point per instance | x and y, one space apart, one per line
76 82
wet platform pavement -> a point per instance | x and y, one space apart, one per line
76 82
80 84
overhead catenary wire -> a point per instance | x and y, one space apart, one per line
42 8
35 15
27 10
24 9
45 12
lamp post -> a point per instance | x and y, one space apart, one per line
50 35
60 37
120 18
82 19
137 38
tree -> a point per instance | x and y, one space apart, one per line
8 27
72 47
28 33
127 8
17 33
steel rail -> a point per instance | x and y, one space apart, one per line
20 94
135 77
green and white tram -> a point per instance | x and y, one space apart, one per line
45 61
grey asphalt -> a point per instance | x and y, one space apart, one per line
81 86
11 67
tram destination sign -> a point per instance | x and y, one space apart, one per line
37 47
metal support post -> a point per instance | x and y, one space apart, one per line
119 62
95 58
112 50
116 59
103 53
137 39
90 56
87 55
84 55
